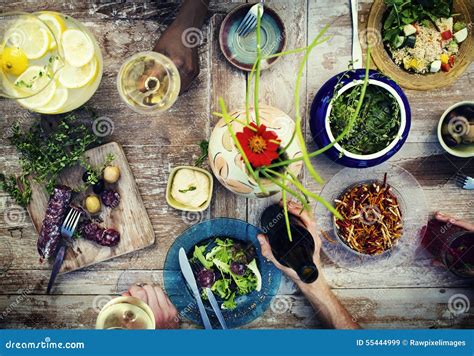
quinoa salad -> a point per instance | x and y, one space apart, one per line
418 40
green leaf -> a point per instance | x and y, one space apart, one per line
199 254
230 303
253 267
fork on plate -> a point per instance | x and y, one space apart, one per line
249 22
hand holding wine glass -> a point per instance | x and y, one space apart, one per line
181 39
166 315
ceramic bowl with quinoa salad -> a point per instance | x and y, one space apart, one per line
423 36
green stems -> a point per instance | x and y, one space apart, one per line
237 144
299 132
218 114
247 94
288 190
256 95
285 211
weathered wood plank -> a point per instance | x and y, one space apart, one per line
94 281
373 308
162 10
227 83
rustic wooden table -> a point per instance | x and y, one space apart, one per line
412 296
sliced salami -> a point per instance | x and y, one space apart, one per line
50 234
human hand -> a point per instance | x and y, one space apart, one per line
309 224
166 315
185 58
449 219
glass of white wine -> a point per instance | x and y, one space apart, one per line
125 313
148 82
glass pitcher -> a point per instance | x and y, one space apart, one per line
50 63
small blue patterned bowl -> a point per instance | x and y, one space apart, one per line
242 51
250 306
321 110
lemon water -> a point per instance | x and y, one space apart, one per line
64 62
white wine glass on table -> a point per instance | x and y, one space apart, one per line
126 313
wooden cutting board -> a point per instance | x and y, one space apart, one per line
129 218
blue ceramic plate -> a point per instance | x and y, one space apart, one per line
242 51
319 120
250 306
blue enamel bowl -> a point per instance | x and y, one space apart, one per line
250 306
321 110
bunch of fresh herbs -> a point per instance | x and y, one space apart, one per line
44 154
404 12
376 125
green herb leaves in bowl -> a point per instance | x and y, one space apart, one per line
377 124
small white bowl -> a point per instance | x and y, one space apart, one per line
179 206
467 150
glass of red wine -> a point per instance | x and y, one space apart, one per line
451 245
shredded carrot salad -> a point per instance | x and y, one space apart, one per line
372 219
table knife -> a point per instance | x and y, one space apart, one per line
215 307
58 262
356 48
189 277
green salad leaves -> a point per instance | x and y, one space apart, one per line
377 124
404 12
228 267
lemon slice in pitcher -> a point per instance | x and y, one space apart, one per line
77 77
56 103
78 47
56 25
35 80
31 37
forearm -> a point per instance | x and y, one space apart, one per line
331 311
192 13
